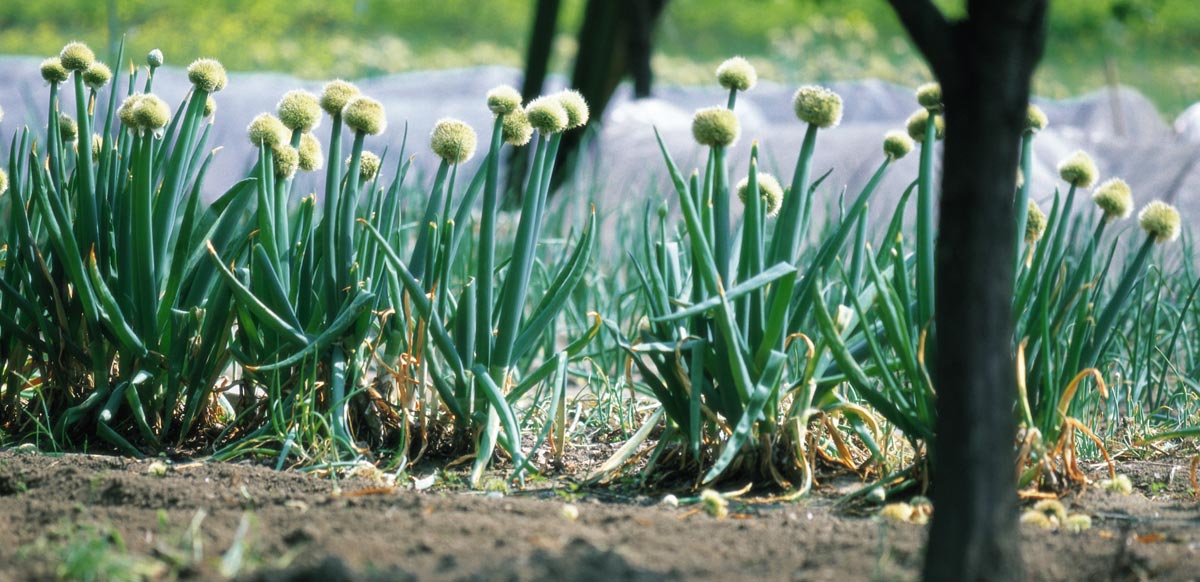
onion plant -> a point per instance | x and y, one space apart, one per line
721 348
307 299
118 330
481 330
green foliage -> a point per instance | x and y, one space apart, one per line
130 305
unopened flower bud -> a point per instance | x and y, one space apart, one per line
715 127
207 75
737 74
547 115
336 94
53 70
310 153
266 130
575 106
769 191
1160 220
896 145
365 115
1115 198
299 110
516 130
67 128
917 123
503 100
1078 170
818 106
286 160
76 56
453 141
97 76
929 96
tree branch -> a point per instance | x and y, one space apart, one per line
929 30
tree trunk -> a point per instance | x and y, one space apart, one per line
615 40
541 44
984 64
537 66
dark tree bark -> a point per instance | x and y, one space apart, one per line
984 64
615 41
541 44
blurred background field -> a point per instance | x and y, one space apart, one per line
1151 45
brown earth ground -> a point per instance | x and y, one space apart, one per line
62 515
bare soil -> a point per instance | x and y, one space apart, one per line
182 525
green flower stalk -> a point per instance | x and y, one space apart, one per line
916 125
76 57
1035 119
516 129
336 94
55 74
510 126
1078 170
97 76
547 115
736 74
718 128
896 145
769 191
299 111
310 153
67 128
925 126
334 97
207 75
53 71
503 100
1115 198
365 116
1160 221
154 59
575 106
715 127
266 130
285 159
453 140
1035 223
818 106
929 96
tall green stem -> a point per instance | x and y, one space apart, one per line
925 225
487 248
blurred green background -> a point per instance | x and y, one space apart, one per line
1152 45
